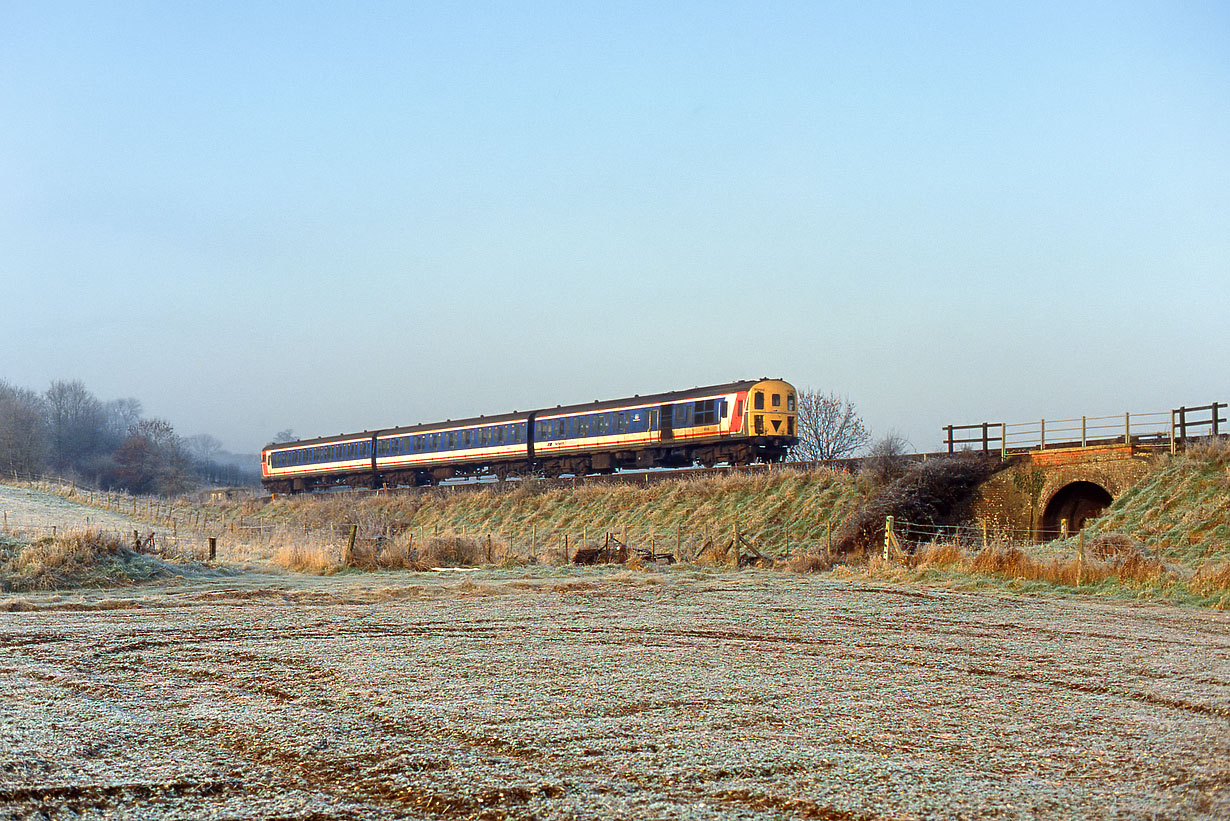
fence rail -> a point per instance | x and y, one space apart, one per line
1170 430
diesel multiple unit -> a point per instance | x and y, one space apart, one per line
738 423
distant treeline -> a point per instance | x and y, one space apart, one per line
69 432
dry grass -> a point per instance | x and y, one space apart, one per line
809 563
533 524
1114 569
76 558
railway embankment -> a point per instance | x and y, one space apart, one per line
1166 538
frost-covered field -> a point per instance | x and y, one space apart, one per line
35 512
603 694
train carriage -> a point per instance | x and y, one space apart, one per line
430 453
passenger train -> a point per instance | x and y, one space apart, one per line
737 423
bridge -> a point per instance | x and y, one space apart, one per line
1063 472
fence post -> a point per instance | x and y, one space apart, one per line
213 548
1080 557
1003 442
1083 429
1183 425
1042 435
986 446
889 537
735 544
354 531
1172 443
948 428
1215 407
1127 428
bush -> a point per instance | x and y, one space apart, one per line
935 492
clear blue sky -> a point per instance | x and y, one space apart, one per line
332 217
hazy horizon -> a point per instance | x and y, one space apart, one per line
254 217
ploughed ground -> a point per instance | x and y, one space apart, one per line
606 693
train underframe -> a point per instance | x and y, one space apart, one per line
742 452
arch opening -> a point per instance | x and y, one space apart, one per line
1077 502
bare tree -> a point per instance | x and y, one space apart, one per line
74 423
152 459
886 461
120 416
829 427
203 447
23 438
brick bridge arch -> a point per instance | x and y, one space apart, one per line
1077 484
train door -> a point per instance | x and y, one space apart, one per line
666 416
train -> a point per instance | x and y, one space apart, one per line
737 423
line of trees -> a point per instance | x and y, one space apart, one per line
69 432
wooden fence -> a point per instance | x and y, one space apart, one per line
1162 430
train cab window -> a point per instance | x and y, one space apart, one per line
725 409
790 403
759 400
777 400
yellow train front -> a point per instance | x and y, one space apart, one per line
736 423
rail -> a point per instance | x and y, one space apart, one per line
1163 430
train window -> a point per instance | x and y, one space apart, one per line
759 403
561 426
790 402
706 412
725 409
777 400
